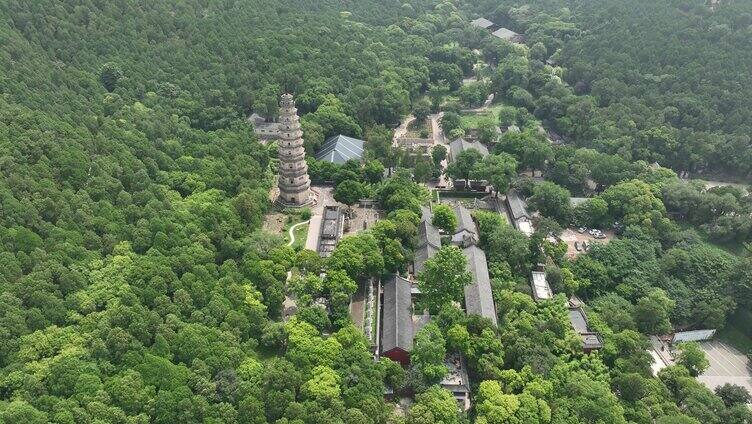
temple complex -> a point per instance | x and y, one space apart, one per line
294 184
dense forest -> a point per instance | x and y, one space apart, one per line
137 283
664 81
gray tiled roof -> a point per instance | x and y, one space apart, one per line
478 296
257 119
541 289
429 243
592 341
420 321
517 206
579 322
425 213
460 145
456 380
331 221
505 34
422 254
428 234
397 320
466 233
339 149
464 238
482 23
464 220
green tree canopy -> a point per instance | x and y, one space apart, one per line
444 218
444 278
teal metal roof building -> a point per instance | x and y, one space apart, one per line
340 149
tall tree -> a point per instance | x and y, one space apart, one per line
463 165
428 353
435 405
444 218
552 201
349 192
693 358
444 278
498 170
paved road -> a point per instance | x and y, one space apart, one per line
312 241
438 135
291 231
438 138
661 355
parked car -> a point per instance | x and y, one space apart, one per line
577 246
581 230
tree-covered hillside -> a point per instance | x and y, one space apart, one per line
210 61
137 281
663 81
675 74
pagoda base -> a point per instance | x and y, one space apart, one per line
298 201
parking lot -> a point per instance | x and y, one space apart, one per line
727 365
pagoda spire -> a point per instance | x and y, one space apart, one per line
294 184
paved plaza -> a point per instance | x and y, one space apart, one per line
727 365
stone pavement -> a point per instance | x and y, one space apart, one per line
324 197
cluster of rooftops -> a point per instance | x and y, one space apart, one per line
400 320
498 31
541 290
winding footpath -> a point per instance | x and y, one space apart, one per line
292 230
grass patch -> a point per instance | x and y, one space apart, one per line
733 248
472 120
449 99
301 234
303 229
